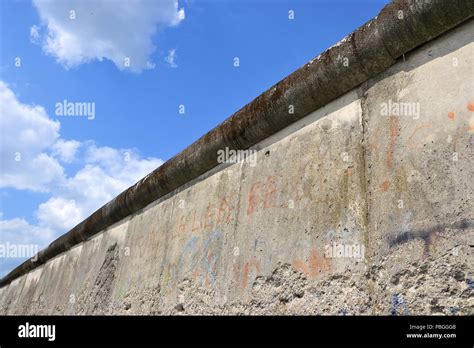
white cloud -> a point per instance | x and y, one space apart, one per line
58 213
114 30
34 33
170 58
109 172
105 172
65 150
26 132
19 231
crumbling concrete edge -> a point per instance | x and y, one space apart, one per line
400 27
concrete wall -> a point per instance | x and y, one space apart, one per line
254 239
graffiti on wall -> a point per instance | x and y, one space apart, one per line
199 259
262 195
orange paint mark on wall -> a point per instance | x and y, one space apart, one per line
470 106
236 271
385 185
245 273
214 215
451 115
270 195
263 195
224 213
300 265
196 225
318 263
241 274
209 217
253 197
393 140
315 264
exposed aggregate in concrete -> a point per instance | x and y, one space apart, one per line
430 285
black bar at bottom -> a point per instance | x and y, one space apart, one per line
328 330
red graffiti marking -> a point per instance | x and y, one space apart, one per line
266 194
461 116
241 274
224 212
196 226
385 185
271 192
200 258
245 274
208 217
213 216
315 264
253 198
300 265
394 125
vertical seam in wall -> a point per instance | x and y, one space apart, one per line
237 213
238 197
167 239
364 177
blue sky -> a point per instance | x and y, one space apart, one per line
181 53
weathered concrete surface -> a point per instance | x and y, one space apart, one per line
252 240
400 26
421 195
